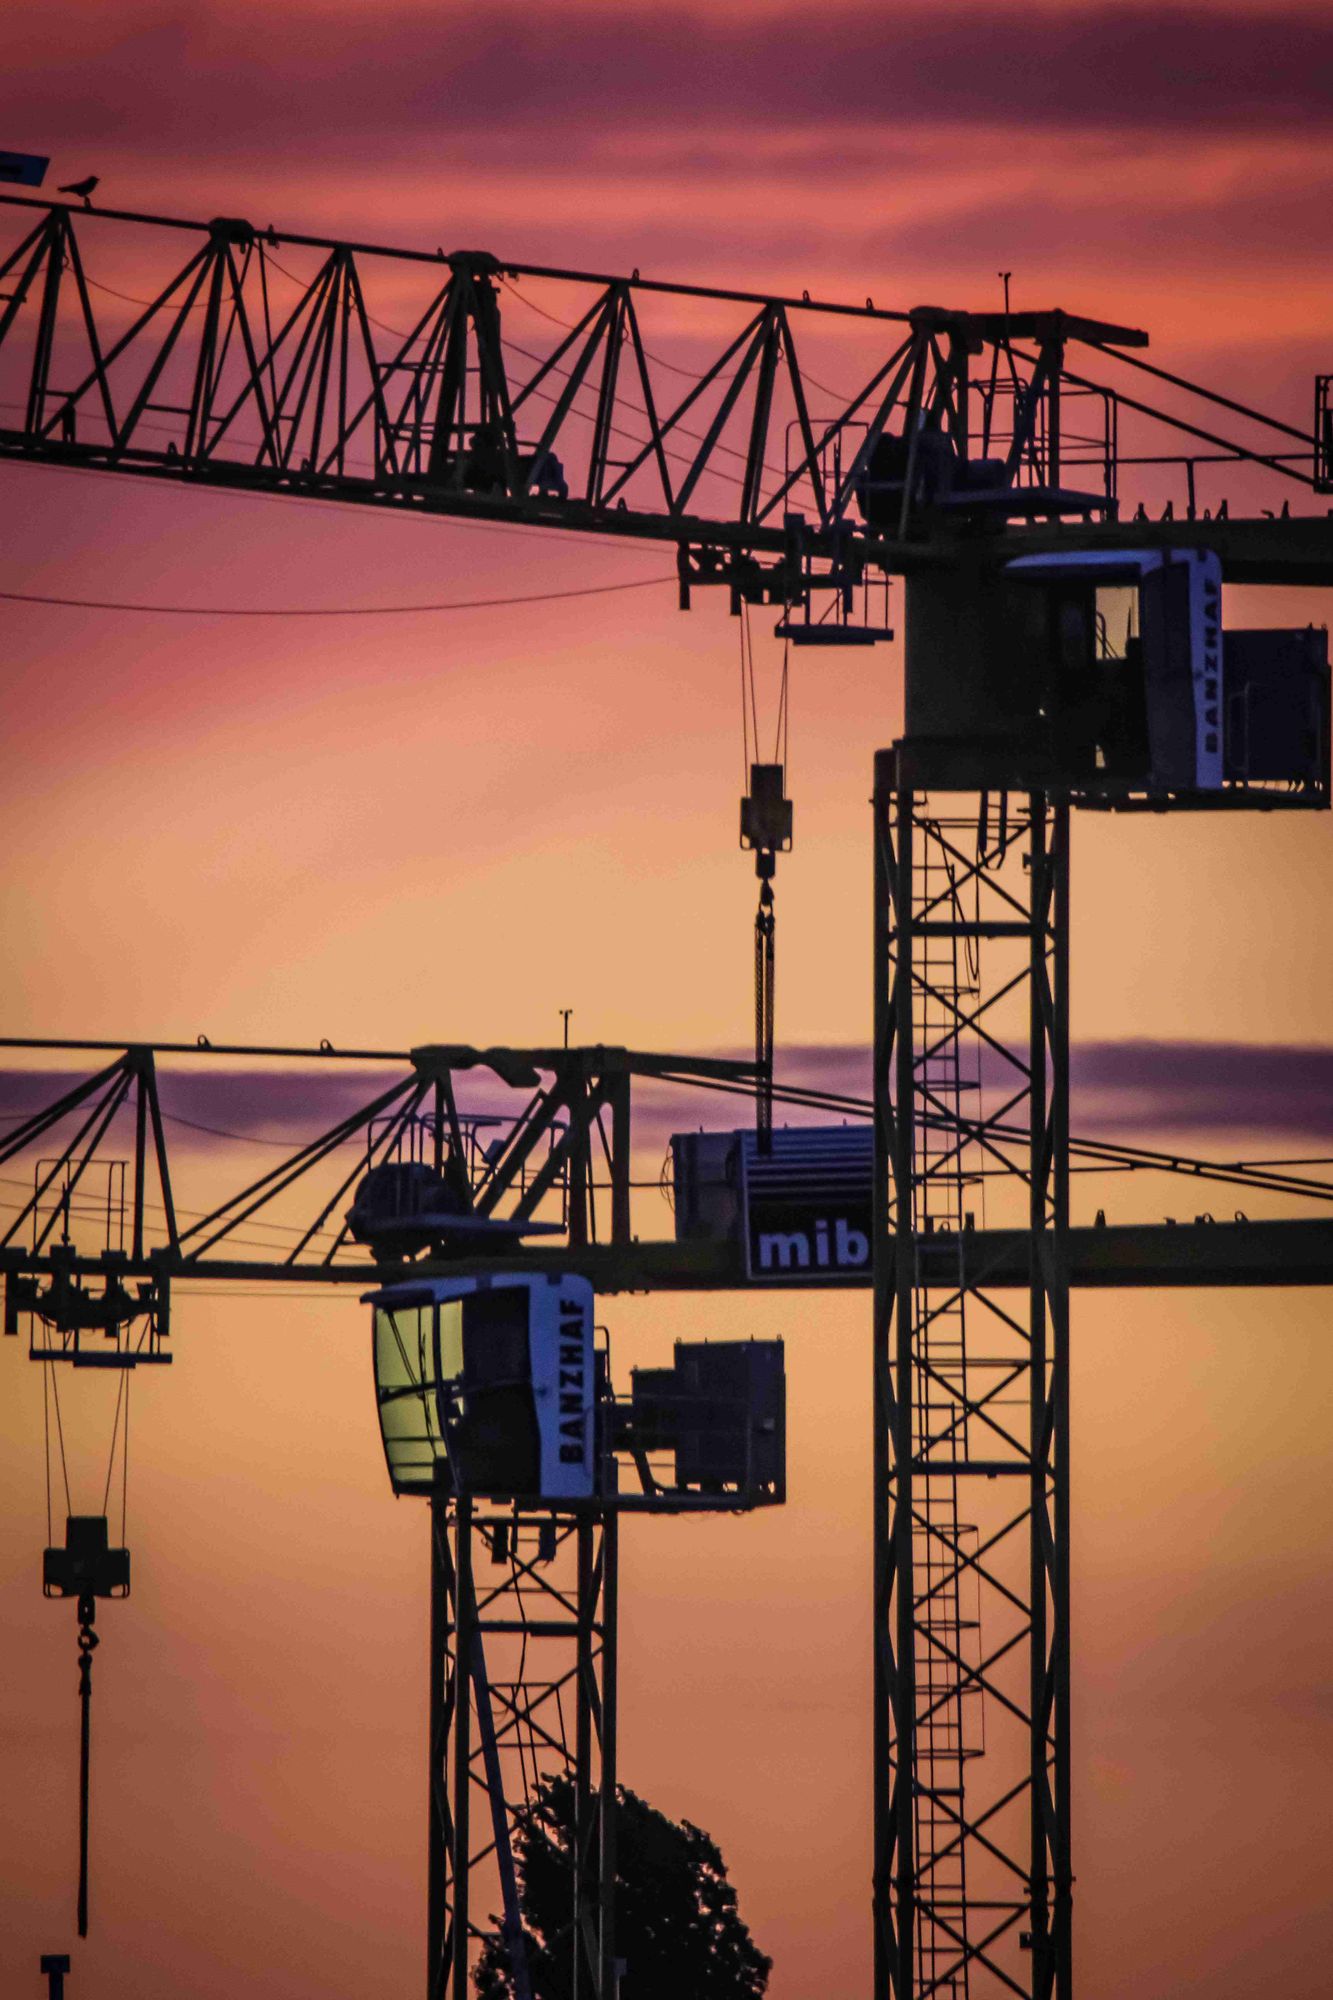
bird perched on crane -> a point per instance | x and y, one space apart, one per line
83 189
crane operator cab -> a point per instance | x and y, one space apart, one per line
1108 675
493 1387
486 1386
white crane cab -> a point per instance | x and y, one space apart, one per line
486 1385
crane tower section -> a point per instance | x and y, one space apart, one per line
1101 680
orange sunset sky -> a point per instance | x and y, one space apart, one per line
445 827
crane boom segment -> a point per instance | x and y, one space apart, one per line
523 1145
395 378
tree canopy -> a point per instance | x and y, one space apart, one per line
678 1928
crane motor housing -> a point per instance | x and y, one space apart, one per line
1109 676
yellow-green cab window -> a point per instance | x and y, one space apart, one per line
417 1349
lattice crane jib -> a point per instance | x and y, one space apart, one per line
239 369
818 445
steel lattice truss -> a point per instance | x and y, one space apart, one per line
111 1192
972 1865
392 378
97 1206
523 1691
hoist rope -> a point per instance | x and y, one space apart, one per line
88 1643
122 1400
764 926
60 1434
46 1446
115 1432
749 697
780 735
745 713
765 921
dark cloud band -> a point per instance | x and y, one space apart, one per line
298 82
1118 1087
1123 1086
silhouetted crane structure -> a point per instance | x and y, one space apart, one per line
1059 656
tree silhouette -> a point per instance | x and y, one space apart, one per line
678 1930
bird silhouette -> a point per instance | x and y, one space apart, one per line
82 188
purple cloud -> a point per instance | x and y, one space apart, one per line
309 84
1117 1086
1204 1086
1123 1086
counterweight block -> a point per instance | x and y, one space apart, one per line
1107 678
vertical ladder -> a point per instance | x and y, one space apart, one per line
947 1704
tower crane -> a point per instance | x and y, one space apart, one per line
1065 651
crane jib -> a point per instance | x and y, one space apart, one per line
808 445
